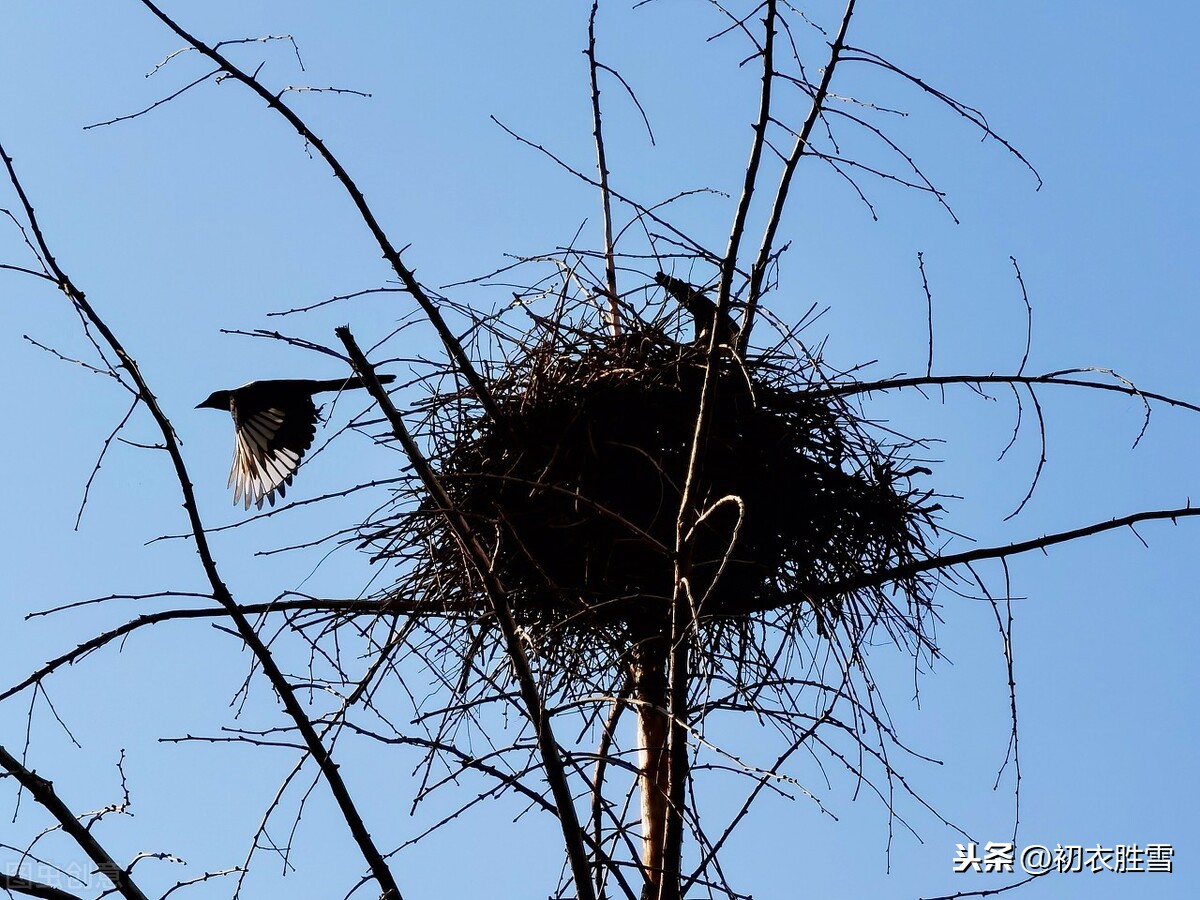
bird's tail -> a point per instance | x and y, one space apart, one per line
347 384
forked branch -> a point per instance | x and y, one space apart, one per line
758 271
43 792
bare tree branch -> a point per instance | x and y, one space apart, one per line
738 229
534 707
951 560
610 262
449 340
18 885
759 270
156 103
1125 387
43 792
221 593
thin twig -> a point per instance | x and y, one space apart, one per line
928 313
155 104
610 252
100 460
1028 316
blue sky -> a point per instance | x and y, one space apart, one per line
208 214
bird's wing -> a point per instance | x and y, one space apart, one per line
269 443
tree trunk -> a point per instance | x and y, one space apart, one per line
649 662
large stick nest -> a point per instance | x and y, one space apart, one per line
576 494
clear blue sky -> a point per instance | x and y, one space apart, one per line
208 213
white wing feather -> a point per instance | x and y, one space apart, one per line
259 472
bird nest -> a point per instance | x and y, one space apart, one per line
575 493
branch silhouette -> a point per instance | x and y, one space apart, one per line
221 593
407 276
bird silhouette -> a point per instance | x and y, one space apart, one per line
274 423
703 310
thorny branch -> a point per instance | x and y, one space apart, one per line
950 560
729 263
221 593
17 885
43 792
610 262
1059 377
534 707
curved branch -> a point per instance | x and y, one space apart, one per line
392 606
896 573
891 384
967 112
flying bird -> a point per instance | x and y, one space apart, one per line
274 423
703 310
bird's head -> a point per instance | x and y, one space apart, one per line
216 400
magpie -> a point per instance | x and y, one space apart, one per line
274 423
703 310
